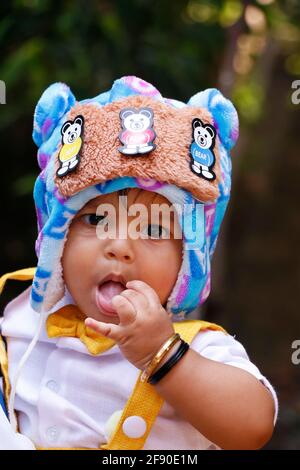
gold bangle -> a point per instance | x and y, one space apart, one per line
165 348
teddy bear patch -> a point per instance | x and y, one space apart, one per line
68 156
201 149
138 134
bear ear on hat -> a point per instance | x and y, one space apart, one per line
54 103
223 112
197 123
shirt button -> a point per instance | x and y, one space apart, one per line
134 426
52 433
52 385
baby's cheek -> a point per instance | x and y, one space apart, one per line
71 261
67 269
173 268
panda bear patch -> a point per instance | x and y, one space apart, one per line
68 156
137 135
201 149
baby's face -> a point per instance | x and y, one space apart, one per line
154 256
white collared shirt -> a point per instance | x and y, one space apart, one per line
65 395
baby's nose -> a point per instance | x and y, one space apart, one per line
119 249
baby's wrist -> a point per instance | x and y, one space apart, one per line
166 351
170 353
161 371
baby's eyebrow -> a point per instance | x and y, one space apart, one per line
92 204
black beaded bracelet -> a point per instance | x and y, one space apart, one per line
154 378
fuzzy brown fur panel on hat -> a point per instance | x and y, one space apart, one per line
100 159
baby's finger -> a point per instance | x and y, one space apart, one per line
137 299
125 309
145 289
106 329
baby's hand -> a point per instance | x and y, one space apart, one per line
144 324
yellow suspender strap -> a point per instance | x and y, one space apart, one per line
144 400
4 370
20 275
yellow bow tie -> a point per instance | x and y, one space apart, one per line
69 321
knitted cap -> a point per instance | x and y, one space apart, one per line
132 137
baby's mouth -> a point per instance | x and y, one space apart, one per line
104 294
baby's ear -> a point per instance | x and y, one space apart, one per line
223 112
56 101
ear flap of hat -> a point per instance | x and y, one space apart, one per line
223 112
56 100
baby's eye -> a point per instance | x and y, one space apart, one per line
155 231
93 219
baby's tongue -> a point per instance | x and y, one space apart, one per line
106 292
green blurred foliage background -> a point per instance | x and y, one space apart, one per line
250 50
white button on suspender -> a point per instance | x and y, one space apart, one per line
134 426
